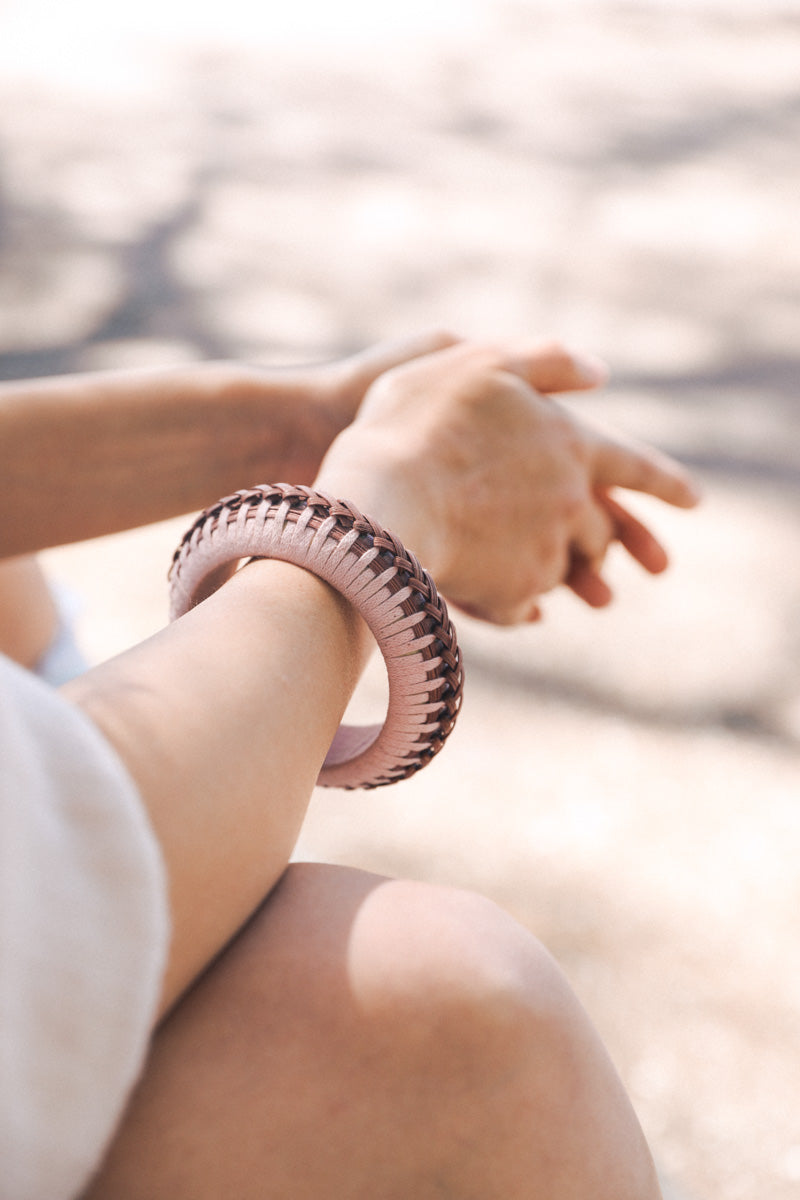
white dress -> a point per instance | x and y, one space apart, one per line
83 936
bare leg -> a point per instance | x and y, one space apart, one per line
28 617
376 1040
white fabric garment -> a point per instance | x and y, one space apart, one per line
83 935
63 659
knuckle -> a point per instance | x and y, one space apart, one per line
573 503
442 338
554 348
554 562
488 353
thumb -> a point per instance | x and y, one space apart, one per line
552 367
365 367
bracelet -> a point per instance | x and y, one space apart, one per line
395 595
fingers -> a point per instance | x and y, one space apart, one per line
374 361
574 559
551 367
503 613
583 576
482 404
590 538
636 538
588 584
587 552
547 367
643 470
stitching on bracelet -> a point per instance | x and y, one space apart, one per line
432 628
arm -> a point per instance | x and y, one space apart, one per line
223 720
86 455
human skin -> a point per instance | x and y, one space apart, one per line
426 1035
212 716
28 615
180 708
353 1037
423 455
374 1039
87 455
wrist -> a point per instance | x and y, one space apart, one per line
394 496
394 594
290 415
262 586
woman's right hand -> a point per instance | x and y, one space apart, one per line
501 492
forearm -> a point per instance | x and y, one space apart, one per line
223 720
88 455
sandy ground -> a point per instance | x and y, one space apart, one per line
175 186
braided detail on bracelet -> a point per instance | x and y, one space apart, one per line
395 595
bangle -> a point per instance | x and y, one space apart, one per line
385 582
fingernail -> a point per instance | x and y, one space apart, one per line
591 368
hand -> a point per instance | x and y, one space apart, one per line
500 490
328 396
346 382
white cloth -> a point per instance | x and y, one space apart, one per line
63 659
83 935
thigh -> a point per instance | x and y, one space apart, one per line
282 1069
255 1074
377 1040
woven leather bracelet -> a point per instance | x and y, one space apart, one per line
395 595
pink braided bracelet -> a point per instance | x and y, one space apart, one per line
384 581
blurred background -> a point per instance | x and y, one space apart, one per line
292 182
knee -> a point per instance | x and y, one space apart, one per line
414 967
453 1032
479 1015
405 959
454 963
